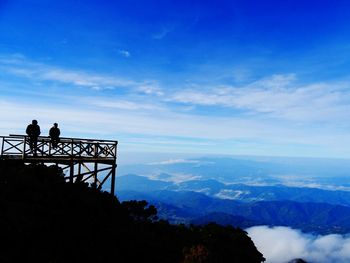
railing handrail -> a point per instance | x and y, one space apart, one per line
62 138
69 147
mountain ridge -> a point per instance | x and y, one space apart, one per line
45 219
321 218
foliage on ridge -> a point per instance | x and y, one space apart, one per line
45 219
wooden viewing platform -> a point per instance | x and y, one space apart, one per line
84 160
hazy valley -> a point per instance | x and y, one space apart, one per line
302 199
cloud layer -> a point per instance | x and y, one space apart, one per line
279 97
282 244
272 115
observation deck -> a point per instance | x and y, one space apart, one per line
83 160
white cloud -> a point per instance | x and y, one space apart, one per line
42 72
178 177
150 89
124 53
277 97
162 33
174 161
210 133
316 185
231 194
281 244
269 116
275 81
119 104
82 78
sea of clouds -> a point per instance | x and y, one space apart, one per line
282 244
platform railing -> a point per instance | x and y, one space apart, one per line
82 160
19 145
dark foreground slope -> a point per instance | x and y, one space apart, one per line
44 219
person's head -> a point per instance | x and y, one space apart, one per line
55 125
35 122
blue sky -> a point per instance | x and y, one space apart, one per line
208 77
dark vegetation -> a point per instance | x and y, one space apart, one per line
45 219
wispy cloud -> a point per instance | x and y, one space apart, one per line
175 161
124 53
315 185
163 123
162 33
42 72
230 194
119 104
83 79
277 96
272 115
177 177
210 133
151 89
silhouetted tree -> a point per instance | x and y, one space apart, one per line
140 210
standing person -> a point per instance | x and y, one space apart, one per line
55 135
33 131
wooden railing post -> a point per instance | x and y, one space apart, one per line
72 148
24 147
113 179
2 146
71 171
49 143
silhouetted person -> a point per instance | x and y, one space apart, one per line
55 135
33 131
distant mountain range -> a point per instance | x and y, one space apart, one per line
203 201
258 170
238 191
